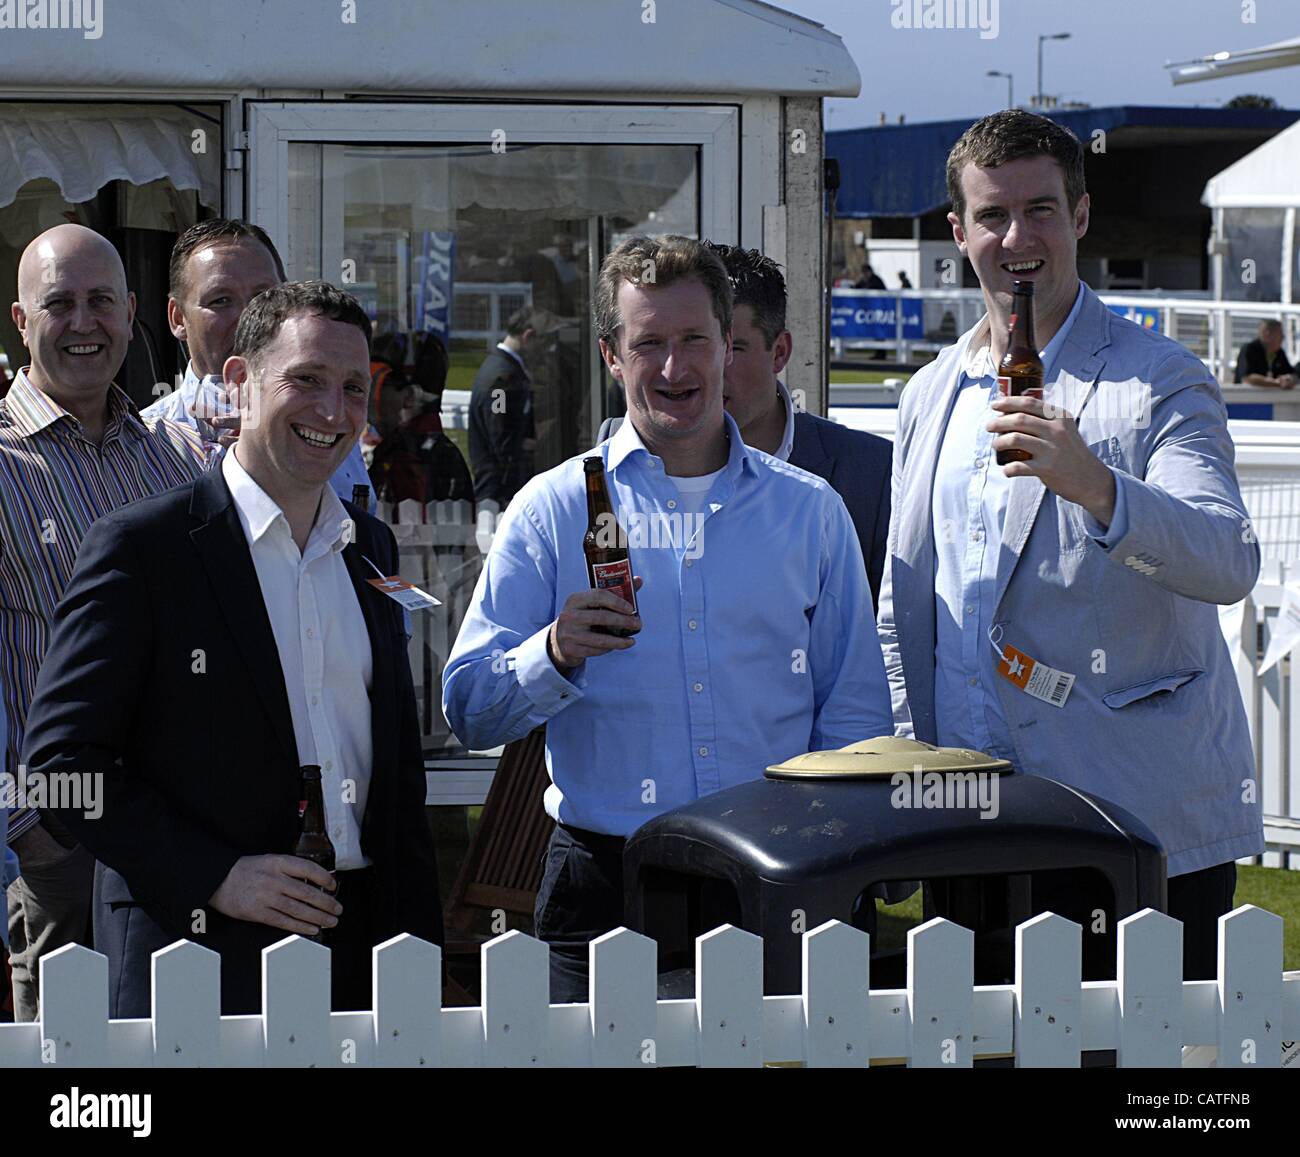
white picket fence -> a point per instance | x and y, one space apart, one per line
940 1020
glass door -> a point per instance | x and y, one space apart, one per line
462 229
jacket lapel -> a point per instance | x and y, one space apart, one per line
1078 367
223 551
808 451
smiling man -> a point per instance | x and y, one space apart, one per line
214 640
1102 557
217 267
72 449
755 634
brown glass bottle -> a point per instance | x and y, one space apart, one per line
313 841
1021 369
361 497
609 566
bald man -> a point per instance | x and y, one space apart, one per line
72 448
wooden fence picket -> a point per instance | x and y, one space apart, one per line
624 1016
296 1005
408 1003
1049 1032
1150 991
836 984
940 989
186 1006
729 998
516 1002
1250 989
74 1008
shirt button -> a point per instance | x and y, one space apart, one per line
311 633
672 505
699 686
970 610
979 463
977 535
973 681
692 624
314 700
704 751
690 562
329 765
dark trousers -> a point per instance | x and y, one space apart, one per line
580 898
1197 899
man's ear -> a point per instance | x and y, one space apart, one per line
1081 216
238 379
176 320
782 348
611 360
19 316
958 232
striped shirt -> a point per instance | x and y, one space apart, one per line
54 484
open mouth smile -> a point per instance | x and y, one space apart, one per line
86 349
316 437
1023 266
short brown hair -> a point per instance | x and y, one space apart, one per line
212 232
1008 136
270 309
757 282
667 258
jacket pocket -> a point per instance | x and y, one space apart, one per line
1171 682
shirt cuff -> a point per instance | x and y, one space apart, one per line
1108 537
538 678
20 821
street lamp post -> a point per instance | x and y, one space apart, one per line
1053 36
1011 92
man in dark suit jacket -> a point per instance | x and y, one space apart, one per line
502 431
214 639
856 464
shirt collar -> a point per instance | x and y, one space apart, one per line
258 511
505 349
627 443
786 448
978 362
32 410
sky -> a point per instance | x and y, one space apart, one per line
1115 55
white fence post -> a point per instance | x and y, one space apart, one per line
1250 989
729 998
296 1005
1048 1031
186 1006
624 1008
1150 991
407 982
74 1008
836 991
516 1002
941 995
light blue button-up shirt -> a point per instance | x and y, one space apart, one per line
968 507
179 406
757 641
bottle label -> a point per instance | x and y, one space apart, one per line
1004 388
616 577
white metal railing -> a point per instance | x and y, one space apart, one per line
480 309
1213 330
1045 1019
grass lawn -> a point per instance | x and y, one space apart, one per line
1275 890
872 377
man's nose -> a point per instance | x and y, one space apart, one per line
675 364
1017 232
83 318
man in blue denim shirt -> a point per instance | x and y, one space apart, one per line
758 640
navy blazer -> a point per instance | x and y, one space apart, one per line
857 465
163 674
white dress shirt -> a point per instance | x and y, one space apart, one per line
324 649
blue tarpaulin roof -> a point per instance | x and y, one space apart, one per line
898 170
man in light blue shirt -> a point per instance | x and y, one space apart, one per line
217 267
755 637
1061 611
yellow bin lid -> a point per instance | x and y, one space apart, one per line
884 755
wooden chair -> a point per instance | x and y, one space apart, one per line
502 868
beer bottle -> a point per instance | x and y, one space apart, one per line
313 841
1021 369
361 497
609 567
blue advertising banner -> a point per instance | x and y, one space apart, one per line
433 268
1146 318
858 316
